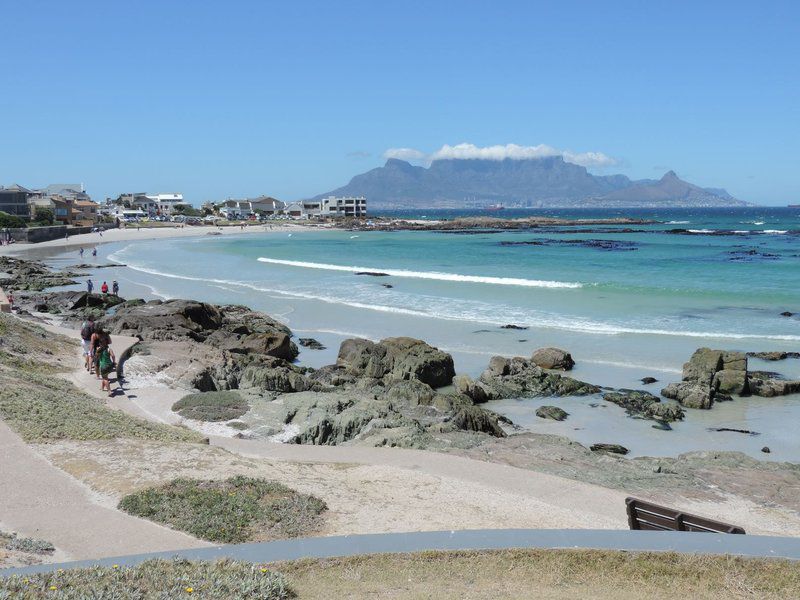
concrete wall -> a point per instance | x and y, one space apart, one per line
45 234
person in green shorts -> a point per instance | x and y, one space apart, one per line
105 362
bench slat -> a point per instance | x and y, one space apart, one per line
649 516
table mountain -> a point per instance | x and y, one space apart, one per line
540 182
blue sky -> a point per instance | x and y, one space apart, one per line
291 99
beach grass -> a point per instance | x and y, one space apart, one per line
560 574
212 406
238 509
221 580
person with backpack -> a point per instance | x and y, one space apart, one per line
87 330
104 288
105 363
99 339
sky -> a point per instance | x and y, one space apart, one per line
291 99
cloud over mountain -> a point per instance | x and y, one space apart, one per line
500 152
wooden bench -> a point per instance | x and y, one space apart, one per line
645 515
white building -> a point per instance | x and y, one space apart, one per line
332 206
165 204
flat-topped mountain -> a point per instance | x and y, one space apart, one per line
538 182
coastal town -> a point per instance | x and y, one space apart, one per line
69 204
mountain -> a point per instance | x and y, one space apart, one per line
539 182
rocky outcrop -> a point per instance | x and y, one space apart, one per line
35 276
401 358
715 375
644 404
553 358
519 377
551 412
609 448
476 390
232 328
774 355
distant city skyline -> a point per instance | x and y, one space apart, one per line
290 100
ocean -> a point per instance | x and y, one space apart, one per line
627 301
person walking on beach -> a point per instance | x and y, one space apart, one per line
94 251
100 339
87 330
104 288
115 288
89 285
81 252
105 363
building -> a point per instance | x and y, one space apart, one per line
14 201
60 207
266 205
332 206
167 204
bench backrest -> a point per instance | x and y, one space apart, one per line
645 515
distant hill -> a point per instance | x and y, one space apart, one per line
539 182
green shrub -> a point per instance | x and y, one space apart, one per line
10 541
212 406
235 510
177 578
7 220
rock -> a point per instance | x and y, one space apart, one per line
311 343
551 412
512 326
476 390
731 382
774 355
277 344
274 376
649 380
388 286
362 358
372 274
474 418
645 404
769 388
609 448
409 358
553 358
702 366
690 395
732 430
786 313
411 393
519 377
766 450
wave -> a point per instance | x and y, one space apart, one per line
775 231
677 222
540 320
425 274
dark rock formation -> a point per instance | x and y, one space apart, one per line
311 343
551 412
512 326
519 377
609 448
645 404
771 356
649 380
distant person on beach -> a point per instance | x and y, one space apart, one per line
115 288
87 330
81 252
104 288
94 251
89 285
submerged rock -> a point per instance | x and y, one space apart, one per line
645 404
551 412
649 380
772 356
311 343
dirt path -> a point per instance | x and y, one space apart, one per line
38 500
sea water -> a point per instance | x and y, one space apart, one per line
627 301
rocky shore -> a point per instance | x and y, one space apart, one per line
483 223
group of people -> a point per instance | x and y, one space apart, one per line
104 289
98 356
94 252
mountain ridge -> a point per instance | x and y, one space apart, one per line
537 182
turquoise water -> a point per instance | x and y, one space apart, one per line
628 302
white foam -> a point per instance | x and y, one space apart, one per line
677 222
425 274
775 231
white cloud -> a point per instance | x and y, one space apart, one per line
502 152
404 154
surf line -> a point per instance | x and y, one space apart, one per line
425 274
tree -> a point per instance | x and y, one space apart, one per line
7 220
187 211
44 216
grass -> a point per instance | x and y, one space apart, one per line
546 574
553 574
10 541
212 406
234 510
152 579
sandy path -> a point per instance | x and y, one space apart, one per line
41 501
